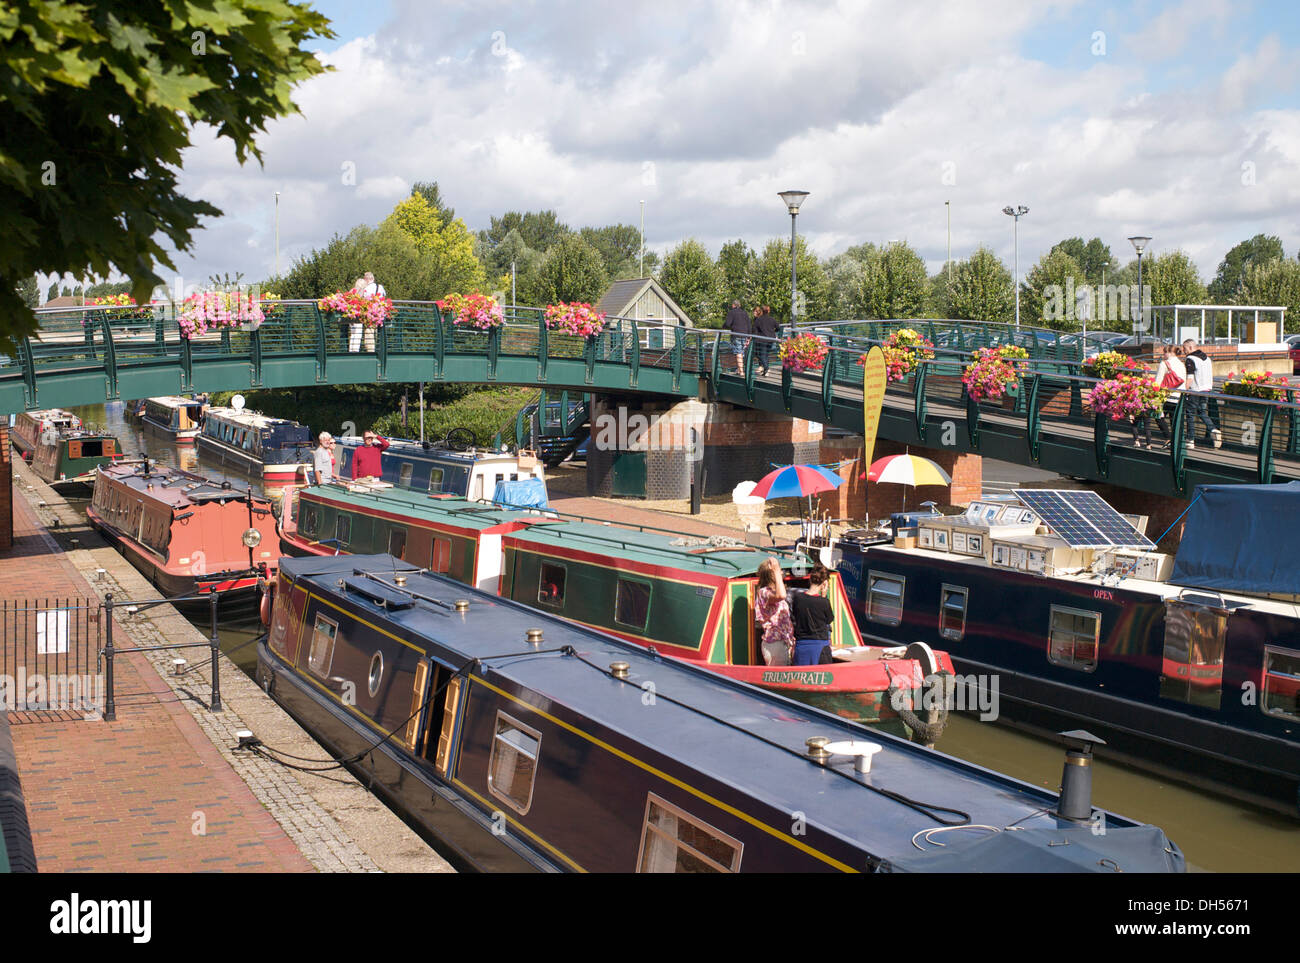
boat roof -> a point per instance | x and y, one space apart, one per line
175 401
174 486
243 416
416 450
725 557
51 414
727 730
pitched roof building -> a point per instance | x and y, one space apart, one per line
644 300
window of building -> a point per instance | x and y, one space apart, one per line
550 584
1281 695
632 603
674 842
952 611
321 656
1073 638
885 598
512 767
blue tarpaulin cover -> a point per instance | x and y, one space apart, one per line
1238 538
529 493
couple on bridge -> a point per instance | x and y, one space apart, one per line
741 326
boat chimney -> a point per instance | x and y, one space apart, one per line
1076 776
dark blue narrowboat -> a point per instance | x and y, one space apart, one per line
453 466
520 741
1188 665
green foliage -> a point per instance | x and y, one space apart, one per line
539 229
1093 258
982 289
1046 290
1273 283
936 295
571 270
53 292
846 273
99 101
433 196
769 282
445 248
1227 284
28 291
484 411
690 278
1173 279
332 407
734 263
894 281
618 246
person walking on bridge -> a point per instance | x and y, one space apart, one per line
765 325
740 326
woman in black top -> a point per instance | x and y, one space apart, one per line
812 616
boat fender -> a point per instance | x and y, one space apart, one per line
926 732
268 601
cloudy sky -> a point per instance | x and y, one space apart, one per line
1179 120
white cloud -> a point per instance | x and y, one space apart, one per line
705 112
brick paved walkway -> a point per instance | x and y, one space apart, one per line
131 795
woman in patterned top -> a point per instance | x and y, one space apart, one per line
772 613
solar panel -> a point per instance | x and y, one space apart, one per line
1083 518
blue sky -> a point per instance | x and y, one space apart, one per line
1182 123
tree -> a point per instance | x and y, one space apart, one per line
28 290
1047 295
53 292
446 249
734 263
618 246
982 289
511 250
1172 278
99 103
847 275
768 279
1227 283
571 270
1273 283
936 296
894 282
429 191
1094 259
539 229
691 279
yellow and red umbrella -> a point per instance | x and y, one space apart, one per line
907 470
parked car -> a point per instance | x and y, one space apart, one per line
1293 342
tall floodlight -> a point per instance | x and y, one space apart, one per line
1016 213
792 201
1139 244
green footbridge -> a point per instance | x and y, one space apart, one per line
94 355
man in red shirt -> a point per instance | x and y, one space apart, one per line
367 460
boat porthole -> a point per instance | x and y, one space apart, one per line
376 671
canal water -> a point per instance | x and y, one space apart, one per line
1216 834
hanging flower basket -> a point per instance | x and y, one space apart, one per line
209 310
370 312
1255 385
479 311
992 371
1126 397
575 317
904 350
803 352
1110 364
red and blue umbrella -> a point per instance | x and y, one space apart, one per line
794 481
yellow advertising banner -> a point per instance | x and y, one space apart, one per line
873 399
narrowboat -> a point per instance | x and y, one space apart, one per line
30 425
185 534
176 418
273 449
518 741
445 467
1189 665
687 598
68 459
133 411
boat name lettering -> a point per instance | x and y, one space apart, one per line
803 678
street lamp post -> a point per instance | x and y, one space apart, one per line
792 201
1016 213
947 206
277 235
1139 244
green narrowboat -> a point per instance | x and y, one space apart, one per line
68 459
689 598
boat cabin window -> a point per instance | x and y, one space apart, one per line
92 449
343 529
885 598
674 842
952 611
435 479
376 674
632 603
1072 638
397 543
404 474
512 768
550 584
310 515
321 656
1281 683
